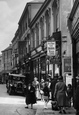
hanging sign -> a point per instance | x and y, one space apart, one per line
67 65
51 48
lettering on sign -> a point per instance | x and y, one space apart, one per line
51 47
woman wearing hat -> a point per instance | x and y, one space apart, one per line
60 94
30 95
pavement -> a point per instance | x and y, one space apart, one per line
38 109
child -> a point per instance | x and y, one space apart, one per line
46 94
41 88
69 93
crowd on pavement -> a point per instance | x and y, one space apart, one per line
54 89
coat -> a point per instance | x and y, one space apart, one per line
52 87
30 95
60 93
77 98
46 91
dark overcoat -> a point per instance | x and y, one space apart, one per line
30 95
52 87
77 98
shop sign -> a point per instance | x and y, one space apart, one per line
67 65
51 48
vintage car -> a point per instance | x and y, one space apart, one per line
16 84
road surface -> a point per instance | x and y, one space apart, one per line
12 105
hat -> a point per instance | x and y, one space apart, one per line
60 78
49 75
77 78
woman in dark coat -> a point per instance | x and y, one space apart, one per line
30 95
77 98
60 94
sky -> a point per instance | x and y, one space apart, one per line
10 13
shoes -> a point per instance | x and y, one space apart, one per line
64 111
26 107
60 111
45 107
31 106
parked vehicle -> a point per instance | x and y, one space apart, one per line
16 84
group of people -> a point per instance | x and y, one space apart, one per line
57 88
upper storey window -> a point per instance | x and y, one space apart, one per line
42 28
37 34
47 16
33 38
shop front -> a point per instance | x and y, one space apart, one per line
39 65
47 61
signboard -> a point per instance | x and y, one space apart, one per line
67 65
51 47
68 79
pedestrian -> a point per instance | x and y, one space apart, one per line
36 85
69 94
76 105
30 95
60 94
52 88
46 94
41 88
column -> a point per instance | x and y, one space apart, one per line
45 28
39 33
52 22
35 37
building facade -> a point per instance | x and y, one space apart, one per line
21 43
15 57
1 69
73 24
36 30
7 59
1 63
50 23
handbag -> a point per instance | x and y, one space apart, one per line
41 92
54 105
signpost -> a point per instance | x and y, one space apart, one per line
51 48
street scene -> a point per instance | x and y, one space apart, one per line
39 57
15 105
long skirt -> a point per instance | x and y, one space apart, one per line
61 99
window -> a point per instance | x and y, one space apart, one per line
47 24
37 34
42 28
33 37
